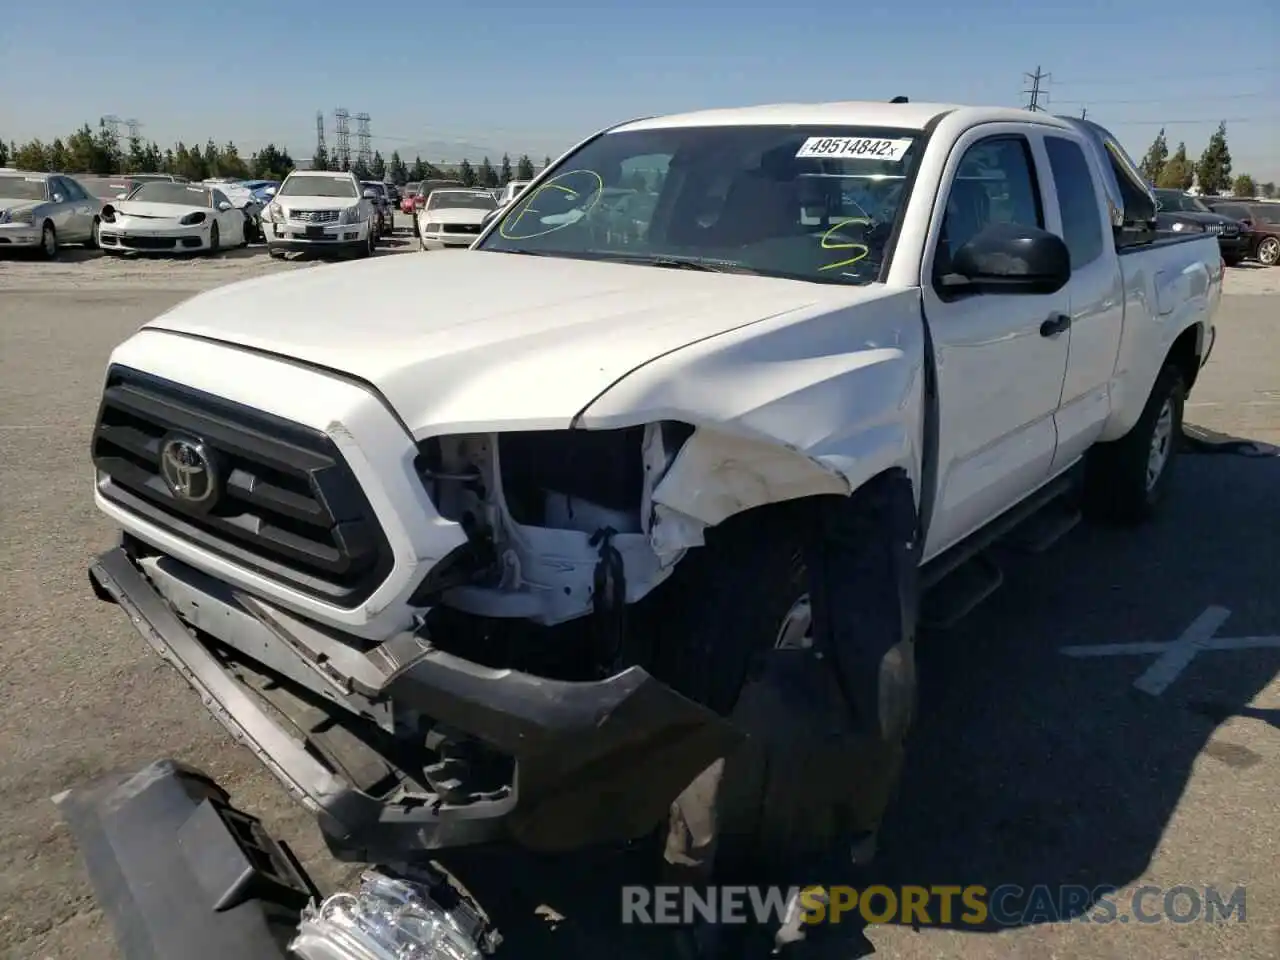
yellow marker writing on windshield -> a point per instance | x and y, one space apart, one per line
831 243
508 230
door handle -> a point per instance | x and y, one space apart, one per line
1056 323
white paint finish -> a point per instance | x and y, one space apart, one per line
999 384
1147 335
479 341
836 390
376 446
795 388
141 218
1175 656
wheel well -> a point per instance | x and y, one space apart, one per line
1185 354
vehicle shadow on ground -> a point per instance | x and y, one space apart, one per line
1027 767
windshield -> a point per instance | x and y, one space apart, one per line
159 191
455 199
22 188
808 203
1172 200
317 187
376 187
105 188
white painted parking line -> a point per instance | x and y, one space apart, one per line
1174 657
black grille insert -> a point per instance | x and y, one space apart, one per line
289 506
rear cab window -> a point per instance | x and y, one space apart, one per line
1077 193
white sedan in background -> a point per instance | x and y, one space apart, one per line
453 218
160 217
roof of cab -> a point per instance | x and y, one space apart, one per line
871 113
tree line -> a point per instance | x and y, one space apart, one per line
103 152
1212 172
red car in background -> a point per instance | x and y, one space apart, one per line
406 196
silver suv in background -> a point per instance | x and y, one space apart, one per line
321 211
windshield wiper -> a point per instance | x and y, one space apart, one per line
683 263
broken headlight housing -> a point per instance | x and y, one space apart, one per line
391 919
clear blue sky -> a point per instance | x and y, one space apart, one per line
534 77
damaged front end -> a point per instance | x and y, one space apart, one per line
402 747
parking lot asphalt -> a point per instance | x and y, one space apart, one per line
1028 767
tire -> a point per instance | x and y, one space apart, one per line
92 242
371 245
1269 251
48 241
1126 480
733 637
215 241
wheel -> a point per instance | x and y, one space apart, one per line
749 628
92 242
1269 251
48 241
1125 480
371 245
215 242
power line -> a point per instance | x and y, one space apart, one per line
1176 99
1188 120
1158 78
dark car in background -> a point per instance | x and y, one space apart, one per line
384 211
1180 212
1260 220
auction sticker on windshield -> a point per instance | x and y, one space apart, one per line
865 148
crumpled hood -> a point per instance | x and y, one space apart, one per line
486 341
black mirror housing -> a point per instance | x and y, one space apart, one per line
1011 258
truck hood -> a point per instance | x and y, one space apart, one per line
479 341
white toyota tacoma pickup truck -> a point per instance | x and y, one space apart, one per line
626 531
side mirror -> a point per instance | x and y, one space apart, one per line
490 217
122 196
371 195
224 206
270 191
58 198
1010 258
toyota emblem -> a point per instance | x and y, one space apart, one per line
189 472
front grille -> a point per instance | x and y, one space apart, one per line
1230 230
148 243
462 228
289 507
314 216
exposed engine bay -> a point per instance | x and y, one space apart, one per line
557 522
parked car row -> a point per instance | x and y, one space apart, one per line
1246 230
139 213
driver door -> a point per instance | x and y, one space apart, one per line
999 380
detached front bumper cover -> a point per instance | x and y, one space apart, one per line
595 762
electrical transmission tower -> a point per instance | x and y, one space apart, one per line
342 129
1037 90
320 150
112 123
135 127
365 140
